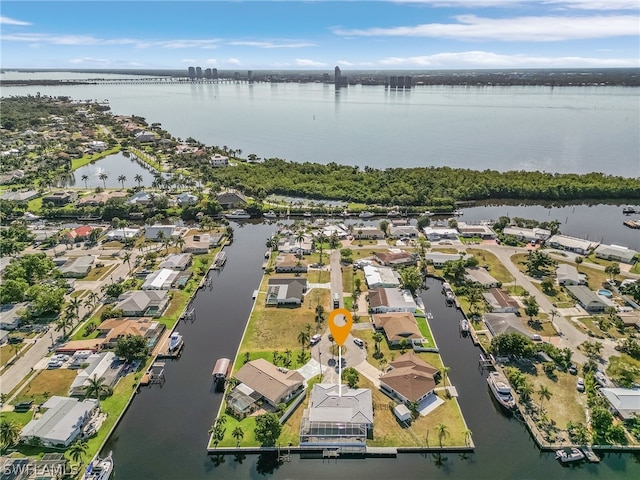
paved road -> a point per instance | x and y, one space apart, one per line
336 277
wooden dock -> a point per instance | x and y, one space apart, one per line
590 455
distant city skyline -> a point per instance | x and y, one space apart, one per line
319 35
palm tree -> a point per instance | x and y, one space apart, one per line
9 432
378 338
127 258
445 374
77 449
122 179
103 176
303 338
467 436
180 243
443 432
96 388
62 324
138 179
321 239
544 393
300 239
238 434
84 179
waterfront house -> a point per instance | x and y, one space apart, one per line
289 263
588 299
77 267
500 301
98 365
290 244
409 379
475 230
218 160
62 421
285 291
397 326
385 300
571 244
140 198
381 277
402 231
60 199
567 274
615 253
97 146
152 232
99 199
368 233
231 198
162 279
122 234
625 401
186 198
499 323
139 303
527 234
267 383
396 258
435 233
114 329
439 259
337 418
177 261
201 243
481 277
145 137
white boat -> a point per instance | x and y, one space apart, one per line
175 342
426 214
569 455
270 214
501 390
464 325
237 214
394 213
306 214
99 469
366 214
457 213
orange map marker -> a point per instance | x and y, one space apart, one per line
340 332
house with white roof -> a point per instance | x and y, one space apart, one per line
617 253
481 277
378 276
408 231
218 160
139 303
436 233
99 364
527 234
384 300
439 259
571 244
62 421
177 261
121 234
160 279
625 401
469 230
568 275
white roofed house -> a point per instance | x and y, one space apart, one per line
384 300
482 277
98 366
218 160
571 244
475 230
177 261
408 231
527 234
625 401
381 277
160 279
615 253
568 275
139 303
439 259
435 234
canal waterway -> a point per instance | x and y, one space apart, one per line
163 435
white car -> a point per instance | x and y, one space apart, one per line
55 364
358 342
60 356
580 384
315 339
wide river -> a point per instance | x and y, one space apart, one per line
562 129
164 433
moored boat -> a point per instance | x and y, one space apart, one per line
464 326
270 214
175 342
501 390
237 215
100 468
366 214
221 370
569 455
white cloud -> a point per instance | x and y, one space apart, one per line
92 60
234 61
304 62
12 21
481 59
211 61
532 29
595 4
565 4
271 44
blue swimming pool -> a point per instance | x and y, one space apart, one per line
605 293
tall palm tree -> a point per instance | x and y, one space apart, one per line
467 436
445 375
77 449
303 338
300 239
138 178
9 432
84 179
321 239
544 393
238 434
377 338
96 388
122 179
443 432
103 176
127 258
180 243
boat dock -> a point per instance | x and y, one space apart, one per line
165 352
219 261
590 455
155 374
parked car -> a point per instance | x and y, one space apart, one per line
315 339
601 378
358 342
60 357
573 369
580 384
54 364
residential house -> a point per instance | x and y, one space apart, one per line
140 198
20 197
625 401
368 233
499 323
60 199
231 198
113 329
162 279
177 261
439 259
62 421
398 326
480 230
409 379
82 232
139 303
588 299
527 234
186 198
153 232
201 243
615 253
77 267
10 314
396 258
289 263
286 291
97 146
270 384
435 233
385 300
99 199
98 365
218 160
290 244
500 301
337 416
145 137
481 277
571 244
381 277
568 275
122 234
403 231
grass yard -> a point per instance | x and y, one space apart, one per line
46 384
618 364
423 325
99 273
318 276
496 268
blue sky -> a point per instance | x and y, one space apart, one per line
270 34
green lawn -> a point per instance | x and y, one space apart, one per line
496 268
423 325
46 384
87 159
618 364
